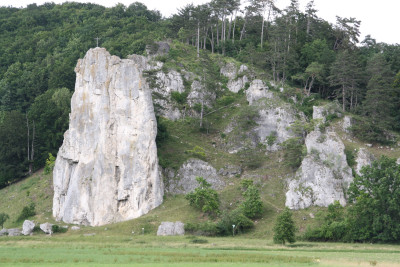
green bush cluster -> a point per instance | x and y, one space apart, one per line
250 208
294 152
179 98
3 218
373 213
333 226
27 211
206 228
350 157
204 198
50 161
58 229
197 152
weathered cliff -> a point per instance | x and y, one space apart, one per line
107 168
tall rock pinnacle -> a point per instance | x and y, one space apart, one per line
107 168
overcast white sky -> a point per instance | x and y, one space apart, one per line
378 18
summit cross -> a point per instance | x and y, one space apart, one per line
97 40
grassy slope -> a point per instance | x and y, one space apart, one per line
36 189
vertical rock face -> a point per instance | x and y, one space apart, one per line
107 168
364 158
324 174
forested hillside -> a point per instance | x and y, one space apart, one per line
40 45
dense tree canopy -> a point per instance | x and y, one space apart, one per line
375 214
40 45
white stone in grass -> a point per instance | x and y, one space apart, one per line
171 228
47 228
27 227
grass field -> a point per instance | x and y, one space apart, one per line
150 250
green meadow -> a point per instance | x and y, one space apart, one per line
80 249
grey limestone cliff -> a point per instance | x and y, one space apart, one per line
107 168
324 175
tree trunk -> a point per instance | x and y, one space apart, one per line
202 111
262 31
212 41
233 31
230 27
27 127
310 85
344 98
217 32
198 39
243 29
205 39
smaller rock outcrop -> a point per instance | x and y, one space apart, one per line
237 77
185 179
157 49
164 86
230 171
257 90
171 228
27 227
274 122
199 95
47 228
347 124
364 158
321 112
14 232
75 228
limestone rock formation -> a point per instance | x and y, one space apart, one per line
236 82
27 227
199 95
321 112
347 124
324 174
257 90
364 158
107 168
166 83
170 228
273 119
185 179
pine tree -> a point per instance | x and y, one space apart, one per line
345 76
380 98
